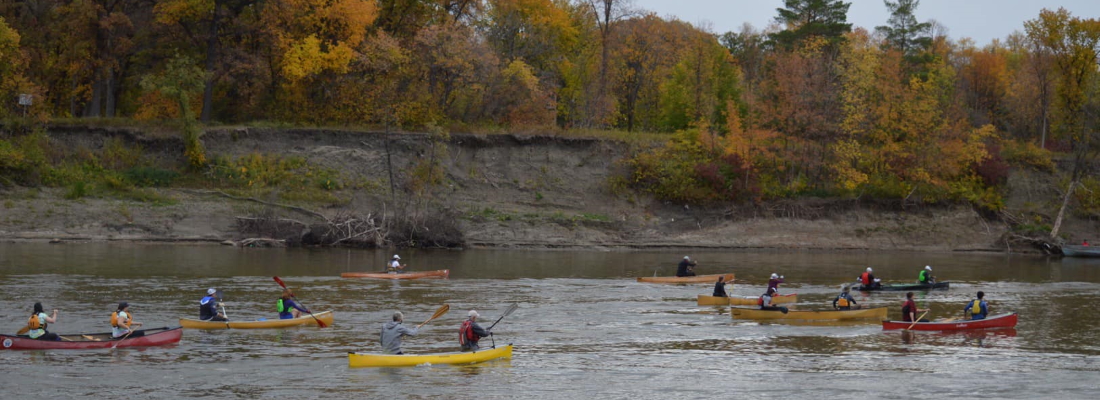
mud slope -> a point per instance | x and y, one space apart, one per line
512 190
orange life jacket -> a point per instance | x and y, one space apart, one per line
114 320
842 302
36 323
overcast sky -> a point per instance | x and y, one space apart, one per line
981 20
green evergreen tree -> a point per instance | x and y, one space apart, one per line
806 19
904 32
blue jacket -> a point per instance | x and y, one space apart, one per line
981 315
208 308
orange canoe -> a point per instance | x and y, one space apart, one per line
438 274
685 279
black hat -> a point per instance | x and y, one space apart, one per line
123 305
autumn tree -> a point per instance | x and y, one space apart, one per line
1074 44
212 28
607 14
180 81
12 81
311 46
539 32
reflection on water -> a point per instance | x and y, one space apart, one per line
583 326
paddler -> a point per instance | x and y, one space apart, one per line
925 277
38 323
287 307
121 321
773 283
208 307
909 310
470 332
720 287
686 267
844 300
868 280
765 302
977 308
395 266
393 331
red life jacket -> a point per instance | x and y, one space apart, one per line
866 278
760 301
466 333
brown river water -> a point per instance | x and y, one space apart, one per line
584 327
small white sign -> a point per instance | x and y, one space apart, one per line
25 99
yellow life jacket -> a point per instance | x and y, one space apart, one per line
114 320
842 302
35 322
976 307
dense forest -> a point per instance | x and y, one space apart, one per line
808 106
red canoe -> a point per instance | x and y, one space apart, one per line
996 321
153 337
439 274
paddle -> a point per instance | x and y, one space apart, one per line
224 313
507 312
917 320
319 322
438 313
121 339
26 328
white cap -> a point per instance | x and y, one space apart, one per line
396 257
211 291
472 313
868 269
774 275
687 258
928 267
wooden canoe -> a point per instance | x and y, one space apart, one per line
758 314
356 360
438 274
997 321
305 319
686 279
152 337
705 300
1080 251
901 287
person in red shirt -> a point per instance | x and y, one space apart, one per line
909 309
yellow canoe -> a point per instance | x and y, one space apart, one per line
686 279
758 314
356 360
305 319
705 300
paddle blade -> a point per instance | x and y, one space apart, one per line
438 313
510 309
441 311
24 331
279 281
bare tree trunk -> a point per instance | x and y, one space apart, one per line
389 166
92 108
1062 210
109 93
211 55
